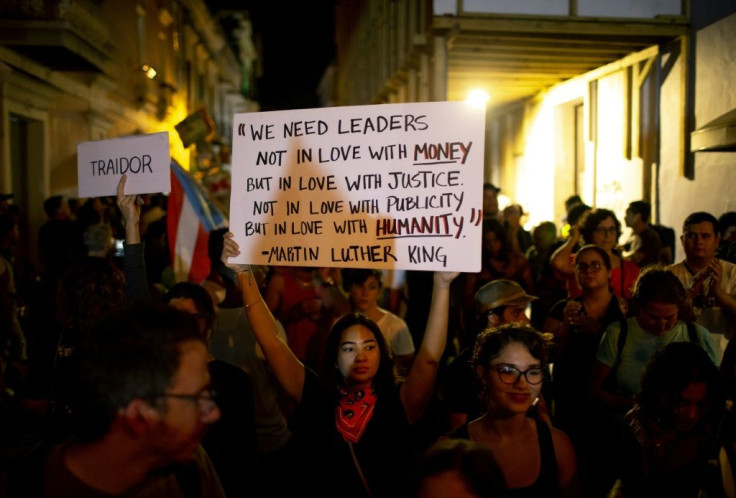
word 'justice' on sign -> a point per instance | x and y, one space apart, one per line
383 186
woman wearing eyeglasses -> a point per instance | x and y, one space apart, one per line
535 460
601 228
663 316
578 324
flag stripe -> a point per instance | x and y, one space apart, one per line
191 217
208 215
200 266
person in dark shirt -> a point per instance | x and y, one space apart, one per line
644 246
535 459
231 441
59 240
141 405
498 302
353 426
671 436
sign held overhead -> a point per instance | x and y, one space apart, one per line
144 158
383 186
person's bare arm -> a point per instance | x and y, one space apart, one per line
130 208
287 368
134 263
567 473
417 390
561 259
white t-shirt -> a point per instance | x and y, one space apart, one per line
396 333
710 315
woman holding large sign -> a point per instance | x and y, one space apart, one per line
353 425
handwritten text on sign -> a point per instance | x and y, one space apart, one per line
384 186
144 158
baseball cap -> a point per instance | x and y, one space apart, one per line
501 293
490 186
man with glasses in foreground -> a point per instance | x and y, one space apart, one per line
142 405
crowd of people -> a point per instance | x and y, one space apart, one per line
574 363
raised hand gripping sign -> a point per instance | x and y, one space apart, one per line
383 186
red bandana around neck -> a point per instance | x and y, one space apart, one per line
353 412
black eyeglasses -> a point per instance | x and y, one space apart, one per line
595 266
206 399
510 375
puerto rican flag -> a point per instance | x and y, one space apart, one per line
191 216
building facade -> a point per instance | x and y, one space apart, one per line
80 70
586 97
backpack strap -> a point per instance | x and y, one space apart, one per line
623 333
692 333
610 382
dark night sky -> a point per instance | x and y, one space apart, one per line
297 46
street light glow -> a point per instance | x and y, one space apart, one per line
149 70
478 98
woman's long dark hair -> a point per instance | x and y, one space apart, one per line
669 372
385 378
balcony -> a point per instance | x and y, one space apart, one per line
63 35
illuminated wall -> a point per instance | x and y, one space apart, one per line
538 165
714 184
45 113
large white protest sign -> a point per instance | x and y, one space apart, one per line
381 186
144 158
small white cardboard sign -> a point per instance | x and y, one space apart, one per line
381 186
144 158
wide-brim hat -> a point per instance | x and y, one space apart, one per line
501 293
